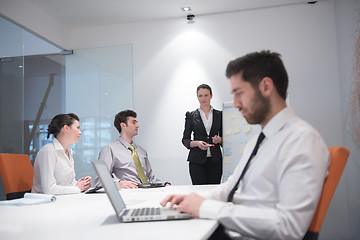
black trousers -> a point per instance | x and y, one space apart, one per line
207 173
219 234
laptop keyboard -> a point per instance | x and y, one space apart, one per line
145 211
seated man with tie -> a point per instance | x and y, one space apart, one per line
127 162
275 188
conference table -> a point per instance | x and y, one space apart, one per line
91 216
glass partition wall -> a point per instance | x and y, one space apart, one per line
11 88
93 83
98 85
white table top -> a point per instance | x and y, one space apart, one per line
91 216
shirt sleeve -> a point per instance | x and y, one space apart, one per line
106 155
186 139
47 163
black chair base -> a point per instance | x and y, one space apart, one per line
16 195
311 235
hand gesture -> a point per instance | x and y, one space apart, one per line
84 183
216 139
127 184
185 203
202 145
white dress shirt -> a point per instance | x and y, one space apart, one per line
278 195
207 124
118 159
54 171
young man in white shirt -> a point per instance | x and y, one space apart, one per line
278 193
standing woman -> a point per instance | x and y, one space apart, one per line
54 164
205 157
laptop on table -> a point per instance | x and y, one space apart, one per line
99 189
125 214
151 185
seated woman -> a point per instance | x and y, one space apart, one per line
54 164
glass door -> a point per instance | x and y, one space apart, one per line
98 85
95 84
11 87
39 81
11 104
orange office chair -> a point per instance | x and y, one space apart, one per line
17 174
338 159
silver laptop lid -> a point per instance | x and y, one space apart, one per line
110 186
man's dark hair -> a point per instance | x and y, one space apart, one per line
257 65
122 117
204 86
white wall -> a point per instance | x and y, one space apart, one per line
171 58
35 21
348 32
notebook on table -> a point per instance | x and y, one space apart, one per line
125 214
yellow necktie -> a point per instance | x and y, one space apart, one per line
138 166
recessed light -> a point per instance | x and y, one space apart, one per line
190 18
186 9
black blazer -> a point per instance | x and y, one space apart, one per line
194 124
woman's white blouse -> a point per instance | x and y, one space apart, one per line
54 171
207 124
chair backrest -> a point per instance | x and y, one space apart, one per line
338 159
17 174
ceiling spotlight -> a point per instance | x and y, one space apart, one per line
186 9
190 17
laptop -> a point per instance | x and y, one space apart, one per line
95 189
125 214
151 185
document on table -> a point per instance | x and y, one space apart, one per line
30 199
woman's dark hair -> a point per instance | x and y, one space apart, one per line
204 86
59 121
122 117
257 65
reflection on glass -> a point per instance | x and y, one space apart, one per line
12 104
94 92
35 86
98 86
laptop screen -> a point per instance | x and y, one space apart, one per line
110 186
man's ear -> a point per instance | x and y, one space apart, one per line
266 86
122 125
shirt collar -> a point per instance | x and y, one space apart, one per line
278 122
58 145
201 111
125 143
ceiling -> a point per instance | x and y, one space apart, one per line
86 13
